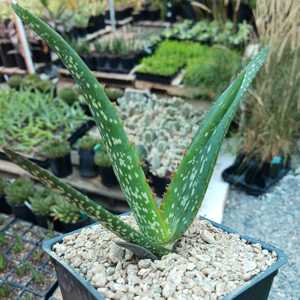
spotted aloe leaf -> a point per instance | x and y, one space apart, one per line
124 158
91 208
187 189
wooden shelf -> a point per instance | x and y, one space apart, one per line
89 186
12 71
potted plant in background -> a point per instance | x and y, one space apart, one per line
105 169
68 95
270 122
41 203
66 216
160 232
59 153
4 207
17 193
87 166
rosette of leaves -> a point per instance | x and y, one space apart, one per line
65 212
19 191
42 201
158 227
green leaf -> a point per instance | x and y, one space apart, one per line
123 155
187 189
91 208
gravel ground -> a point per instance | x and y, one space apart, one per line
273 218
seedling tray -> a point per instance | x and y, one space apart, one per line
24 284
75 287
254 177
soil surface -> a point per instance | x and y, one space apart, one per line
273 218
208 265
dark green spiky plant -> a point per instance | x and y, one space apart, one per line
158 227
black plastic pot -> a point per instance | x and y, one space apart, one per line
9 59
87 167
108 176
114 63
96 23
20 60
23 212
154 78
101 62
39 56
159 184
61 166
254 176
42 221
74 287
153 15
90 61
129 62
66 227
4 207
120 14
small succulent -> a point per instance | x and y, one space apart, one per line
24 269
42 201
56 148
19 191
18 245
15 82
68 95
159 226
65 212
102 159
88 142
5 291
38 277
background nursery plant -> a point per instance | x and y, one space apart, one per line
158 227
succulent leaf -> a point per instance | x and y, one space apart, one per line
187 189
93 210
123 155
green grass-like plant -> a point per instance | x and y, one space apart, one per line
159 227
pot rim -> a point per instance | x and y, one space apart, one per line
273 269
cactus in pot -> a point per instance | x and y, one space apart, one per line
159 227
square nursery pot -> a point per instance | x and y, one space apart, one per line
108 176
254 176
62 166
74 287
4 207
87 167
23 212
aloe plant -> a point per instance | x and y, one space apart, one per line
159 227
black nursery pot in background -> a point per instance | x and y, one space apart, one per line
61 166
4 207
87 167
108 176
159 184
23 212
74 287
254 176
69 227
